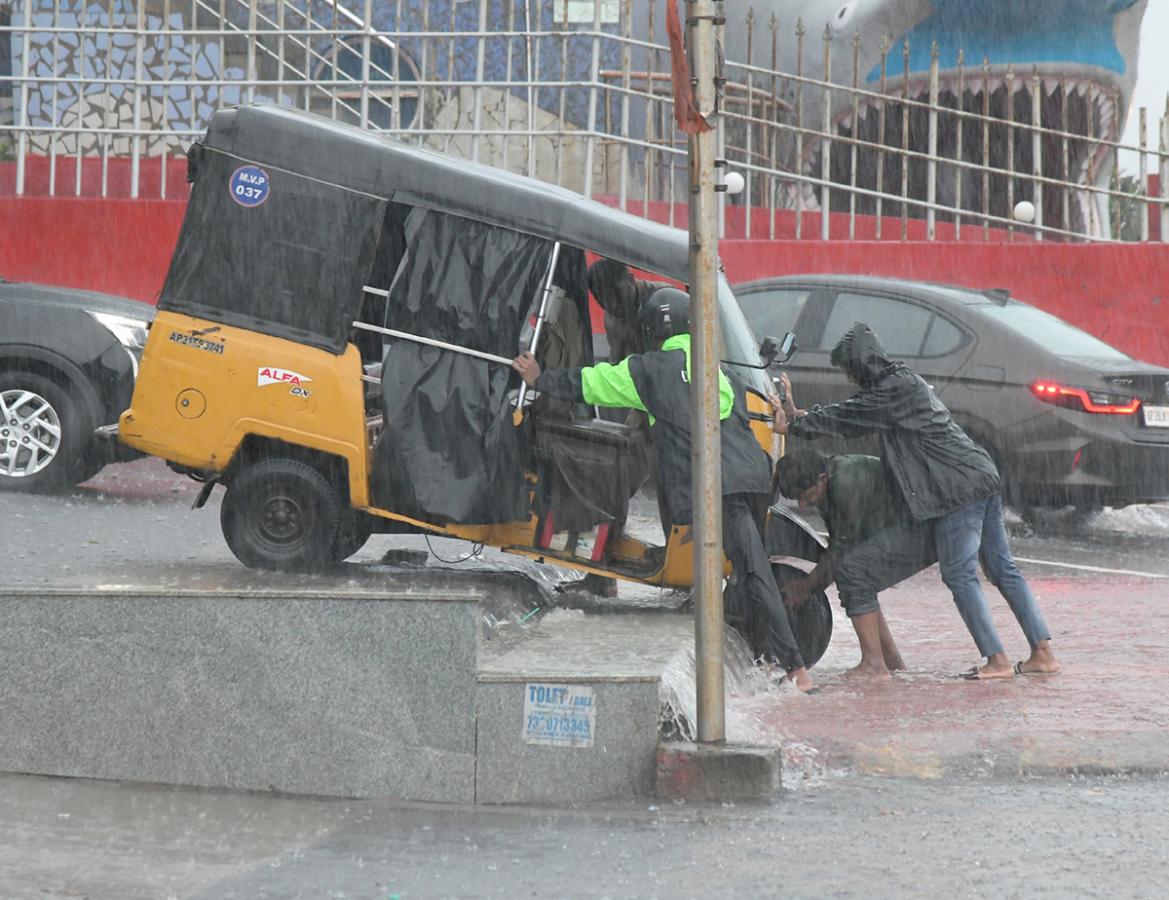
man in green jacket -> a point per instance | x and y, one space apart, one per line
873 544
658 383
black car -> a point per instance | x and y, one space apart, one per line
68 360
1069 419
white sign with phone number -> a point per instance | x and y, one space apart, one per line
559 715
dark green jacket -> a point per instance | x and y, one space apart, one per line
659 384
859 501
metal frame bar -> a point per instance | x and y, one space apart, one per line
295 53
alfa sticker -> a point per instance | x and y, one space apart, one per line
249 186
296 382
271 375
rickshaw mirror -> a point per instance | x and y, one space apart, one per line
768 350
772 348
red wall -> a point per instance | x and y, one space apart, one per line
114 246
1117 292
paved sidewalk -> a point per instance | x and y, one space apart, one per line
1105 712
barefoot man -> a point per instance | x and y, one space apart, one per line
873 544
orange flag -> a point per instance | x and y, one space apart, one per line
686 114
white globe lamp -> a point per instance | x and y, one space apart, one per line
1024 212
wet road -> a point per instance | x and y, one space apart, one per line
1043 838
134 523
1103 581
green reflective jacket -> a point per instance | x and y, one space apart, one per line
607 384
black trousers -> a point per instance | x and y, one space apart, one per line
753 603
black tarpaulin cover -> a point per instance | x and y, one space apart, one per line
449 451
273 252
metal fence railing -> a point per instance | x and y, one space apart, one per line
97 97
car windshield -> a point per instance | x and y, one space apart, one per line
739 344
1049 332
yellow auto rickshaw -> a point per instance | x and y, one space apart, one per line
332 346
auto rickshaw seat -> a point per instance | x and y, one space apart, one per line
593 466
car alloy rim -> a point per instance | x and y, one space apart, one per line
30 433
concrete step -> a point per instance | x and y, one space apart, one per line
573 711
429 686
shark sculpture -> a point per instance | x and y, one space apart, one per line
1084 53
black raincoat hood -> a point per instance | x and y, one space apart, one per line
860 354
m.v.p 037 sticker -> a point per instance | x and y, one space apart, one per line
249 186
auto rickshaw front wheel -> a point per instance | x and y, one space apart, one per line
281 514
811 623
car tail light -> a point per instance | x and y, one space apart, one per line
1085 400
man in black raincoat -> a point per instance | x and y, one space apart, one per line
940 474
658 383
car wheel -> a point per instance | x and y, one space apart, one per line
281 514
42 433
355 529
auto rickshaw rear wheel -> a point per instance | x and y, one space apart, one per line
355 529
281 514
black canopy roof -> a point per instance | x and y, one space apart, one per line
344 156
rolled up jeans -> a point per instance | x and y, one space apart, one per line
887 558
976 533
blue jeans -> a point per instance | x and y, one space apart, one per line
976 533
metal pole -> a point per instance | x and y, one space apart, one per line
1037 152
24 121
1010 79
826 143
959 172
1163 174
431 342
136 140
366 28
251 57
594 86
931 215
480 74
704 408
545 293
1143 188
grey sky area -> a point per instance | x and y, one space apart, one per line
1153 74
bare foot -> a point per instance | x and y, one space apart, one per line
864 671
895 663
989 672
802 679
